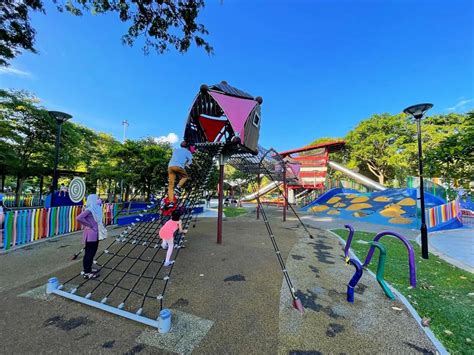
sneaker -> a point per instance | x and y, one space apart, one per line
164 247
168 263
91 275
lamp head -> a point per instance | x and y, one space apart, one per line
418 110
60 117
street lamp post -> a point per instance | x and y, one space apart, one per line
418 111
60 118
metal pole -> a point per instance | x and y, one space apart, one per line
220 209
259 180
423 229
56 161
284 193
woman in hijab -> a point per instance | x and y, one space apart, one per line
90 218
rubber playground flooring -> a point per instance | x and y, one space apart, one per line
232 293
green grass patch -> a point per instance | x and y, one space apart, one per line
442 291
234 211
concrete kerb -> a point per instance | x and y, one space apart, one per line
445 257
441 349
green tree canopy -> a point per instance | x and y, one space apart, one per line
161 23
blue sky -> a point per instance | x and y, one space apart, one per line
320 66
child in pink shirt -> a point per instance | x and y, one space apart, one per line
166 233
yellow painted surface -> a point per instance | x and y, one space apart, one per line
400 220
360 199
407 202
334 200
319 208
339 205
334 212
359 214
382 199
392 211
351 195
359 206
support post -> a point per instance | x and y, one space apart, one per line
3 183
259 180
285 196
423 229
220 209
56 161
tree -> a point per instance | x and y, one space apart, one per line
376 144
162 23
453 158
16 33
28 133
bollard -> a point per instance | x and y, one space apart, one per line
164 321
52 285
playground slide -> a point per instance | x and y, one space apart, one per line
356 176
266 189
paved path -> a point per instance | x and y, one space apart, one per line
226 299
456 246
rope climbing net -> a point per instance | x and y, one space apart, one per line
133 276
133 279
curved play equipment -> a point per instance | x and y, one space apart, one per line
223 123
381 262
354 280
381 269
364 180
264 190
411 253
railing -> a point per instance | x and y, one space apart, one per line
429 186
26 226
442 213
26 200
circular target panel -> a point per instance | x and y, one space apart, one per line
77 189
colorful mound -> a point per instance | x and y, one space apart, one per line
407 202
389 207
359 206
319 208
334 200
360 199
392 211
382 199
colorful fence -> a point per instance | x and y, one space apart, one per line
444 213
28 200
25 226
431 186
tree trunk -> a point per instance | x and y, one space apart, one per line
127 193
41 187
3 183
19 183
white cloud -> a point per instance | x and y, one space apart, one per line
13 71
460 105
171 138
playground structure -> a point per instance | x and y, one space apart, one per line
223 123
375 244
